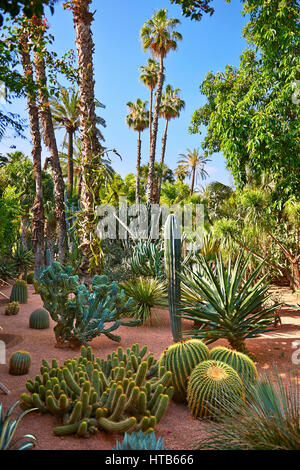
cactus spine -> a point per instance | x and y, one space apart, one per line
19 363
212 387
39 319
240 362
13 308
19 292
172 240
181 358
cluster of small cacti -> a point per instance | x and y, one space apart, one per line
39 319
119 394
13 308
19 363
19 292
140 441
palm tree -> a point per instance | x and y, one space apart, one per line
180 173
159 36
170 108
193 163
138 120
149 77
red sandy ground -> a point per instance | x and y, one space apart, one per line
178 428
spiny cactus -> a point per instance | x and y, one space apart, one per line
19 363
83 317
13 308
172 237
19 292
39 319
140 441
240 362
181 358
212 386
89 393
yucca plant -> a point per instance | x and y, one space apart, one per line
7 271
231 306
8 428
22 260
146 293
268 420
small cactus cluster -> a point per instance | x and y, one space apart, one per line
120 394
19 363
140 441
240 362
39 319
19 292
13 308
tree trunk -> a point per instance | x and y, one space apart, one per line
91 148
193 181
162 159
70 165
160 83
38 218
150 118
138 166
296 273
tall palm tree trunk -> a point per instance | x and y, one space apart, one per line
193 181
150 117
38 217
138 167
70 164
91 148
162 159
154 132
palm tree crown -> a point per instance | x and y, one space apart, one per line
138 118
171 104
193 163
149 73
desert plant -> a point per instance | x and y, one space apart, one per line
81 314
213 385
240 362
181 358
231 307
146 294
118 394
22 260
7 271
30 278
19 363
268 420
172 238
140 441
19 292
13 308
8 428
147 260
39 319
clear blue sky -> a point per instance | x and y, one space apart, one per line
207 45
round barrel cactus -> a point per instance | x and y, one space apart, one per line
19 292
39 319
19 363
240 362
181 358
13 308
213 387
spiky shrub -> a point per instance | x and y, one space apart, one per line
146 294
7 271
213 385
123 393
39 319
268 420
240 362
172 243
8 428
22 260
140 441
232 307
81 314
13 308
19 363
147 260
19 292
181 358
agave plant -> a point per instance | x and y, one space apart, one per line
225 304
7 271
22 260
8 428
268 420
146 293
140 441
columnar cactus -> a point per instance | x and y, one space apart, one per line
39 319
240 362
19 363
140 441
172 240
213 387
89 394
13 308
19 292
181 358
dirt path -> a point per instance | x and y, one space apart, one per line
178 428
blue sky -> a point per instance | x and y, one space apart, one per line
207 45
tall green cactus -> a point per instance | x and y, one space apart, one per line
19 292
172 237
